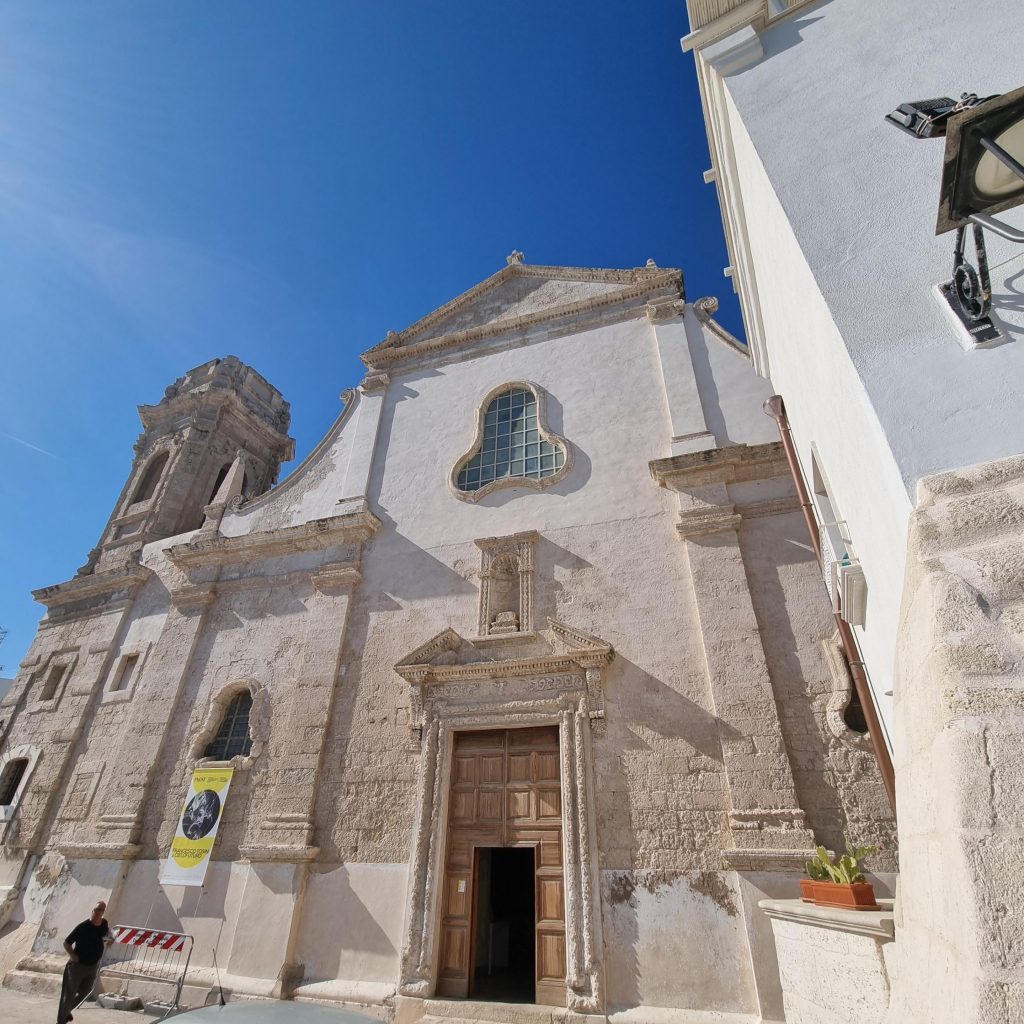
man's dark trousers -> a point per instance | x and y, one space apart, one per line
78 982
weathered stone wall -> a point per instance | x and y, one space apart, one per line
834 768
960 709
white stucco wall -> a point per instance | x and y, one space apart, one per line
828 406
834 214
861 198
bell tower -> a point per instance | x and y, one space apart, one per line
216 413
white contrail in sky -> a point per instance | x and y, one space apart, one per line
27 444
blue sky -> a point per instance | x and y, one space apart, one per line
286 182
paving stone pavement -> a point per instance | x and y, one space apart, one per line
25 1008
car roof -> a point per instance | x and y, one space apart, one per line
273 1011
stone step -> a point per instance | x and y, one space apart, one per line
464 1011
40 983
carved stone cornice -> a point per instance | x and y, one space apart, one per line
101 851
700 522
81 587
193 595
336 576
769 507
274 854
450 668
665 308
374 382
735 464
312 536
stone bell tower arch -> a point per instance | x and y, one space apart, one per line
216 413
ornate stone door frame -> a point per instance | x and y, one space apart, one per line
548 690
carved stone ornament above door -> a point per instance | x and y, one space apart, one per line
450 668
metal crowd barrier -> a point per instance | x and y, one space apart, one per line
148 954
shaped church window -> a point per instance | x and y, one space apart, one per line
233 739
513 447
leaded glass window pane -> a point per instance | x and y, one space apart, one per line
512 445
233 738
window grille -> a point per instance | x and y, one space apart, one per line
512 445
13 773
233 738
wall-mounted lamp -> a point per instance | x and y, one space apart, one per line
982 174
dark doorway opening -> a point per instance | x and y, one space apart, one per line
504 925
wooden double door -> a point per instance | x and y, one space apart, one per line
505 792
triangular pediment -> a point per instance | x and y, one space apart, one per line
521 296
449 656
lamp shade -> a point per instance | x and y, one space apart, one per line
975 180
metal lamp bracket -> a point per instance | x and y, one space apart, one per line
969 293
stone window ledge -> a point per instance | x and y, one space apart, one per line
877 924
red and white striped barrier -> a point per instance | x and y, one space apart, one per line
149 954
173 941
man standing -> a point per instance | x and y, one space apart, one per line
84 947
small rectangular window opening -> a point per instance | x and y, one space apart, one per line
52 682
126 673
10 780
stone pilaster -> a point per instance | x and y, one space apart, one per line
127 785
690 431
286 831
766 821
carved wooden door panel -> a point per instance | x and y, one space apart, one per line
505 791
475 818
534 803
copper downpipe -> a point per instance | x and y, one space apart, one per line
776 408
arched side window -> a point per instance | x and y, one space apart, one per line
513 447
10 780
232 739
151 477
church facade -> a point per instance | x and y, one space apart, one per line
526 675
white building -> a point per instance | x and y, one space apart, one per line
910 437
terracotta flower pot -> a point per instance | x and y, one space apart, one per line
856 896
807 889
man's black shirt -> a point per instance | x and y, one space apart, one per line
87 940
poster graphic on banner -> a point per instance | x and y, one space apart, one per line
197 827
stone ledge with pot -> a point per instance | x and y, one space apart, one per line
833 963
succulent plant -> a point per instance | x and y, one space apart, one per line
845 870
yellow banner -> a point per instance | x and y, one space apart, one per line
197 827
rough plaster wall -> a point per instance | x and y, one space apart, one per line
648 949
836 778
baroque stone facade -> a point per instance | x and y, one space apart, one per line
622 664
